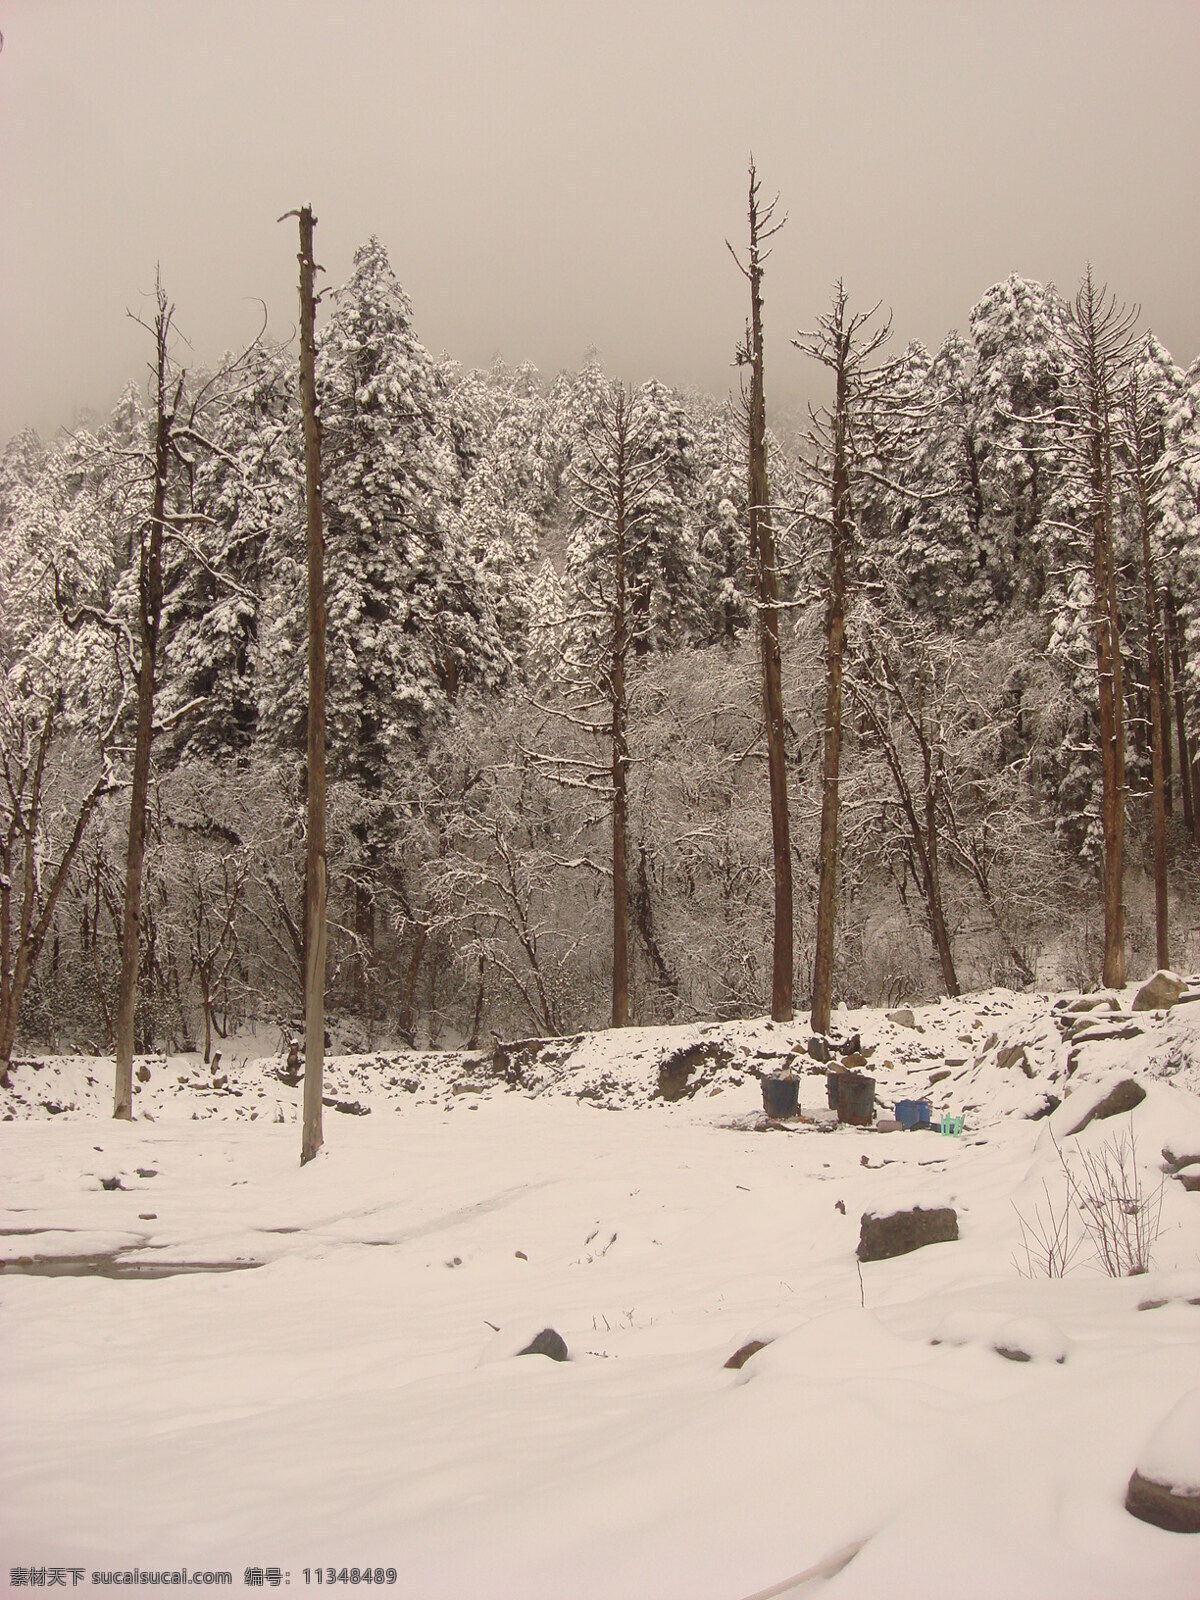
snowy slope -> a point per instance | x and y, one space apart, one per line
353 1398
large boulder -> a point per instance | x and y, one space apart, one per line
901 1232
549 1342
1165 1486
1160 992
1122 1097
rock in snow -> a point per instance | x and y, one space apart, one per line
1165 1487
903 1231
1122 1097
1160 992
547 1343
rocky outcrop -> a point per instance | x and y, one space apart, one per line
1160 992
1123 1097
547 1343
901 1232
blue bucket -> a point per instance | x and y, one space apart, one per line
913 1113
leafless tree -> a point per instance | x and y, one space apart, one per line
765 578
1139 442
1099 333
315 872
612 481
844 342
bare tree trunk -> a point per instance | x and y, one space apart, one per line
620 748
1142 466
315 876
644 916
150 595
1185 756
835 634
762 554
1097 340
1165 720
933 878
1112 748
477 1013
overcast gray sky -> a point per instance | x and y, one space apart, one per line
551 176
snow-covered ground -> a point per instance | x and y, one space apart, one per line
355 1399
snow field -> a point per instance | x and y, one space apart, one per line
348 1401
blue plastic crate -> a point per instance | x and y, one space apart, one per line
913 1113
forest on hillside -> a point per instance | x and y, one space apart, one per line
471 578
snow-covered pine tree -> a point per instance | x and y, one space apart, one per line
242 489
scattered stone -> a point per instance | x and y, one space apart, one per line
111 1183
1097 1033
1120 1099
901 1232
1030 1339
902 1018
740 1357
1174 1163
466 1088
143 1074
1165 1486
840 1205
818 1048
1190 1181
1162 1506
1013 1055
936 1077
547 1343
147 1172
853 1060
1160 992
349 1108
521 1256
851 1046
147 1216
1048 1104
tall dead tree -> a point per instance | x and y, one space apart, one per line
168 394
1140 443
765 577
1191 812
1099 334
612 478
315 870
839 343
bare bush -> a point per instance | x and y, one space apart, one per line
1121 1219
1103 1195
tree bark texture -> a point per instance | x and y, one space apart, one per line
150 597
1155 675
315 870
620 747
762 554
1185 757
1097 402
835 633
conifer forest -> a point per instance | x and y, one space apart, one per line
556 605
